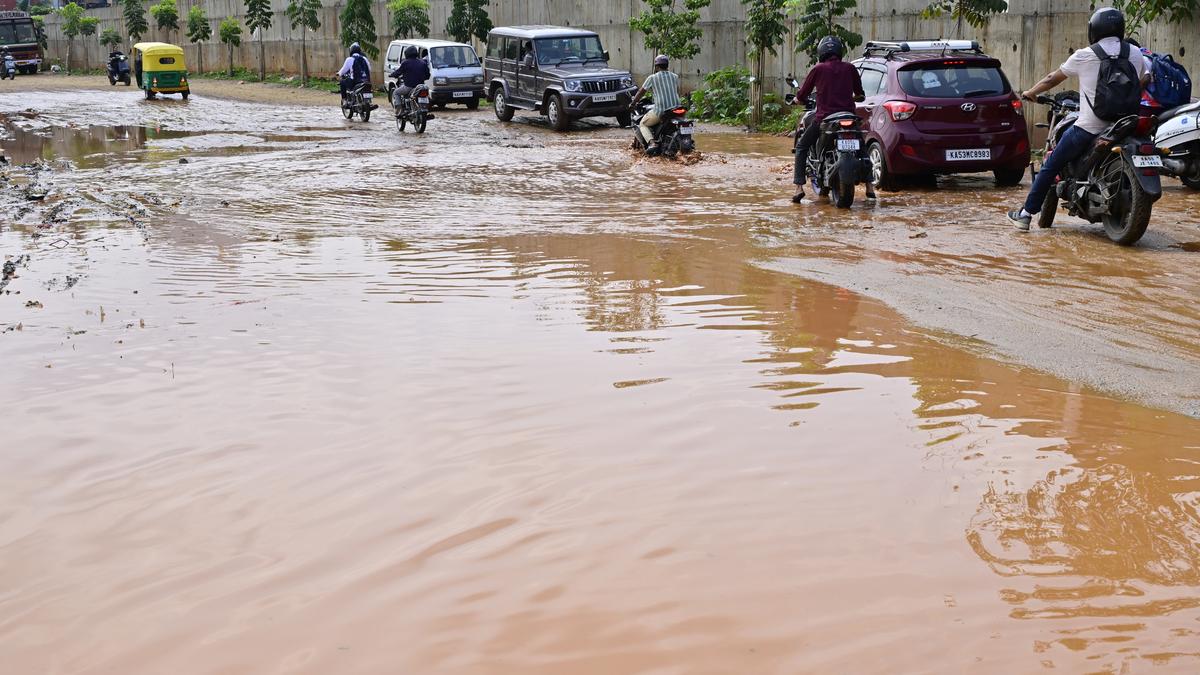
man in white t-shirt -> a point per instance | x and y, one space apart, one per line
1106 28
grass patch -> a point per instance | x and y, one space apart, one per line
247 75
725 99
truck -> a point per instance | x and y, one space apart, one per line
19 36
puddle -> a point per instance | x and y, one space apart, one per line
493 403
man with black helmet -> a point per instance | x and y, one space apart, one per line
1106 33
663 86
838 86
355 70
412 72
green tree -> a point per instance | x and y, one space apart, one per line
72 25
87 28
305 16
818 18
671 30
134 14
409 18
166 16
39 31
974 12
358 25
198 30
230 32
110 38
1139 13
467 18
766 27
258 19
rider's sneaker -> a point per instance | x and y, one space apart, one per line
374 106
1020 219
798 197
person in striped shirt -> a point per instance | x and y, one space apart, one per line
663 86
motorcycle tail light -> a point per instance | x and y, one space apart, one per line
1018 107
900 110
1146 149
679 111
846 123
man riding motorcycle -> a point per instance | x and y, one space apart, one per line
355 71
838 86
412 72
1106 30
663 86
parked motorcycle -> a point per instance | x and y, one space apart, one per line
9 68
413 108
1179 132
673 135
1115 183
359 101
118 68
839 160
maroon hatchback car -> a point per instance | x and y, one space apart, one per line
940 107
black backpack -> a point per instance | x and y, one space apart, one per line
1118 88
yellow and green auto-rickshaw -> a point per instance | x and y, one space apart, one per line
159 69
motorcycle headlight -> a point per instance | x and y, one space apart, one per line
572 85
439 80
478 79
626 82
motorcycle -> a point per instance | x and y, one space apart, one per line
359 101
118 69
1116 182
673 135
1179 132
839 161
10 68
413 108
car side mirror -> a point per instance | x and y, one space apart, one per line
605 55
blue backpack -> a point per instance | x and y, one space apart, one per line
1171 85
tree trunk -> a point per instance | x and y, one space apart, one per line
303 59
68 62
85 60
231 59
200 58
756 88
262 58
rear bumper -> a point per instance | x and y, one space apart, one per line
916 153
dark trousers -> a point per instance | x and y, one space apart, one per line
1073 144
347 85
807 140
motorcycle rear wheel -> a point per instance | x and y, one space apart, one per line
347 112
365 113
1045 217
401 122
1133 217
841 189
112 81
419 123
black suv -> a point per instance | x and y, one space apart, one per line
561 73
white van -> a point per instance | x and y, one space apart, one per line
457 73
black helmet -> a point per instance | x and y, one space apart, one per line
1106 22
355 49
661 61
410 52
830 45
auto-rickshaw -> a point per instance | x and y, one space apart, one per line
159 69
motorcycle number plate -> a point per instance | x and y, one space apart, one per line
368 96
1147 161
848 144
423 99
968 155
604 98
463 94
686 130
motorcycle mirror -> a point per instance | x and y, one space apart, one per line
789 98
792 82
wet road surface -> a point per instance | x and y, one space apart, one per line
327 399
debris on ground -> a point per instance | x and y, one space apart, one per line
33 304
918 235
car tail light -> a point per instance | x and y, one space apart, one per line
1018 107
908 150
1023 145
900 110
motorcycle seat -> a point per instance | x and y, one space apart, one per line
840 116
1179 110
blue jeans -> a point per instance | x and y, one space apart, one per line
1073 143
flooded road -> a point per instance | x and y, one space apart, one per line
325 399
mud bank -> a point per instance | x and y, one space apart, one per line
249 92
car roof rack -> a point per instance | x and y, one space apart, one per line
889 49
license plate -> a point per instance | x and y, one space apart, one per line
604 98
686 130
423 99
1147 161
848 144
463 94
368 96
968 155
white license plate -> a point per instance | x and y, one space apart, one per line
848 144
604 98
686 130
463 94
368 96
1147 161
422 99
968 155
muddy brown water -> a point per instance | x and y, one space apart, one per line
330 400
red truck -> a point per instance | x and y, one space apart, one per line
18 35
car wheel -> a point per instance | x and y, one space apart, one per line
1008 177
881 177
624 119
149 94
473 104
504 112
554 113
186 94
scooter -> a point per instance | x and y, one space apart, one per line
118 68
839 161
1179 133
9 69
1116 182
673 135
413 108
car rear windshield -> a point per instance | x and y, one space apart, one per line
953 81
452 57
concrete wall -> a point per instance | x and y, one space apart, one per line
1032 38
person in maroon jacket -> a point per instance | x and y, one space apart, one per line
838 86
